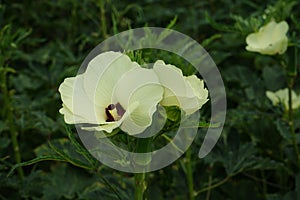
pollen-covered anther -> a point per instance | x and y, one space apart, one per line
114 112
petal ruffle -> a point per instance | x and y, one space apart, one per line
141 87
77 107
102 74
188 93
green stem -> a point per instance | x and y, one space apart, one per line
264 185
8 112
140 179
213 186
291 72
209 185
16 148
140 186
290 117
189 174
113 189
103 27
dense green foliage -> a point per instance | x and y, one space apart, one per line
43 42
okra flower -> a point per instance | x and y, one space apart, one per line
271 39
281 96
112 92
186 92
116 92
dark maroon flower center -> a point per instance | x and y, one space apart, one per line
114 112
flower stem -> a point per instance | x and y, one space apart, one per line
8 112
291 73
264 185
101 5
213 186
291 80
189 174
140 179
140 186
209 182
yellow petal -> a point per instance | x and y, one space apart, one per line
77 107
103 73
188 93
281 96
271 39
280 31
138 86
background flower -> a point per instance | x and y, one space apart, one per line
271 39
281 96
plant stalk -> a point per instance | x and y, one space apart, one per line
140 179
8 113
103 27
291 80
213 186
189 174
209 185
140 186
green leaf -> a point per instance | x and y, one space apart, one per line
36 160
242 75
65 182
274 197
80 149
3 126
283 129
172 23
216 25
69 152
36 179
240 159
65 149
210 40
4 142
97 190
274 78
291 195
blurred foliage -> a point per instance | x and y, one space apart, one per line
42 42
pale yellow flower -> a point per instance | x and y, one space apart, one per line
281 96
112 92
116 92
271 39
